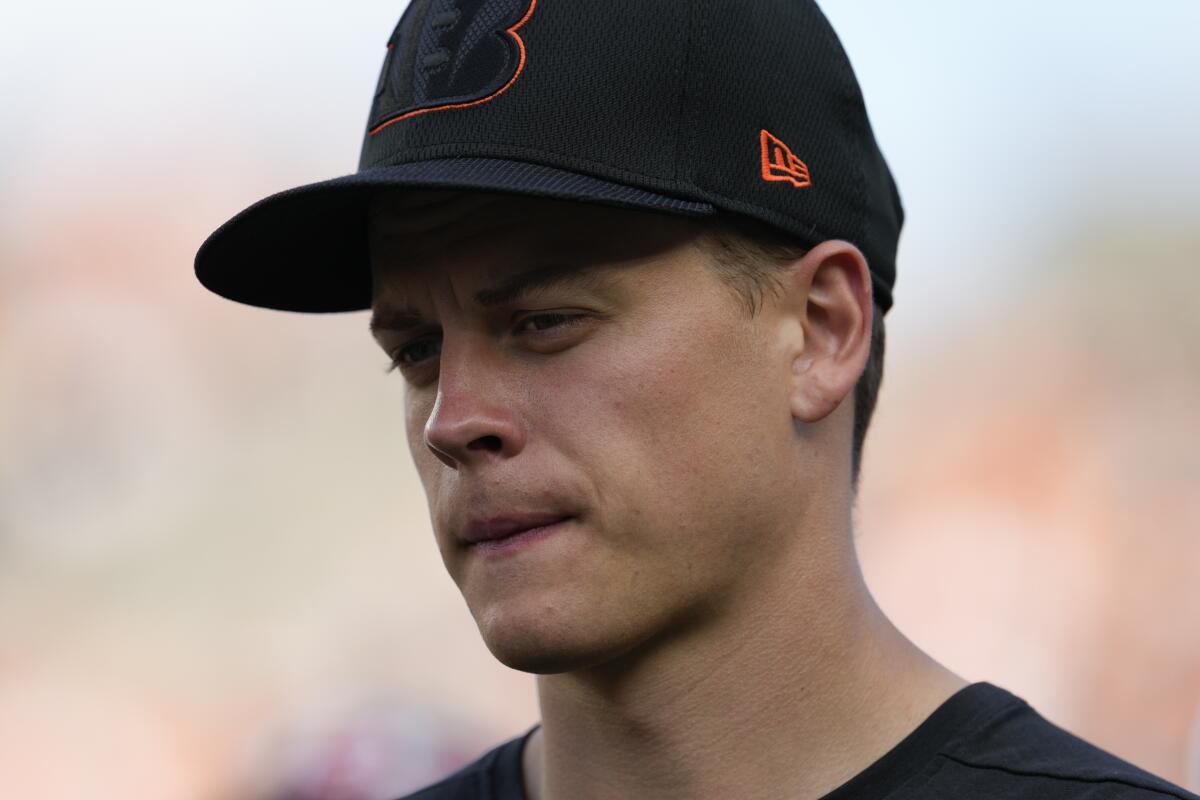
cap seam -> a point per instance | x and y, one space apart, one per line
500 151
698 87
682 127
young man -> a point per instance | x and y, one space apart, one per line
631 262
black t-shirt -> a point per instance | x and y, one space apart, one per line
983 743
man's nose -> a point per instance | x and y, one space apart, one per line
473 419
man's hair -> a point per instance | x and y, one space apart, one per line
751 257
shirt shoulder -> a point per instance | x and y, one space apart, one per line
1014 752
496 775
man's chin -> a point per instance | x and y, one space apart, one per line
541 663
541 650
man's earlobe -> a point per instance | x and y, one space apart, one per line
810 399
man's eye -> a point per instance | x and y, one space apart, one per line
402 357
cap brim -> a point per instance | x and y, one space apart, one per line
305 249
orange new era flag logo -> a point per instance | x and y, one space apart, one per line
779 164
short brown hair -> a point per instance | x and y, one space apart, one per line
750 258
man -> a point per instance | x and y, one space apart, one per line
631 262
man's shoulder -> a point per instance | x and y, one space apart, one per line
462 785
495 774
1015 752
956 778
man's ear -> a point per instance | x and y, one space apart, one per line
825 327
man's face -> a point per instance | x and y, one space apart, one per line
642 402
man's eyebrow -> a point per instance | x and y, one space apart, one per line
512 288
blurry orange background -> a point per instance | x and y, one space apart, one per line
217 575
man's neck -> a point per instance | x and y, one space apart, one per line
784 698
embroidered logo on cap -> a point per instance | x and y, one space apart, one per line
779 164
449 54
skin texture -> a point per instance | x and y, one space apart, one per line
700 628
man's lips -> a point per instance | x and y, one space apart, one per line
502 526
519 540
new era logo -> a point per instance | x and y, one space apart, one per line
779 164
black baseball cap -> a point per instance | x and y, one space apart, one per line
744 106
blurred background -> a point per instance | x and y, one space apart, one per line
217 575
